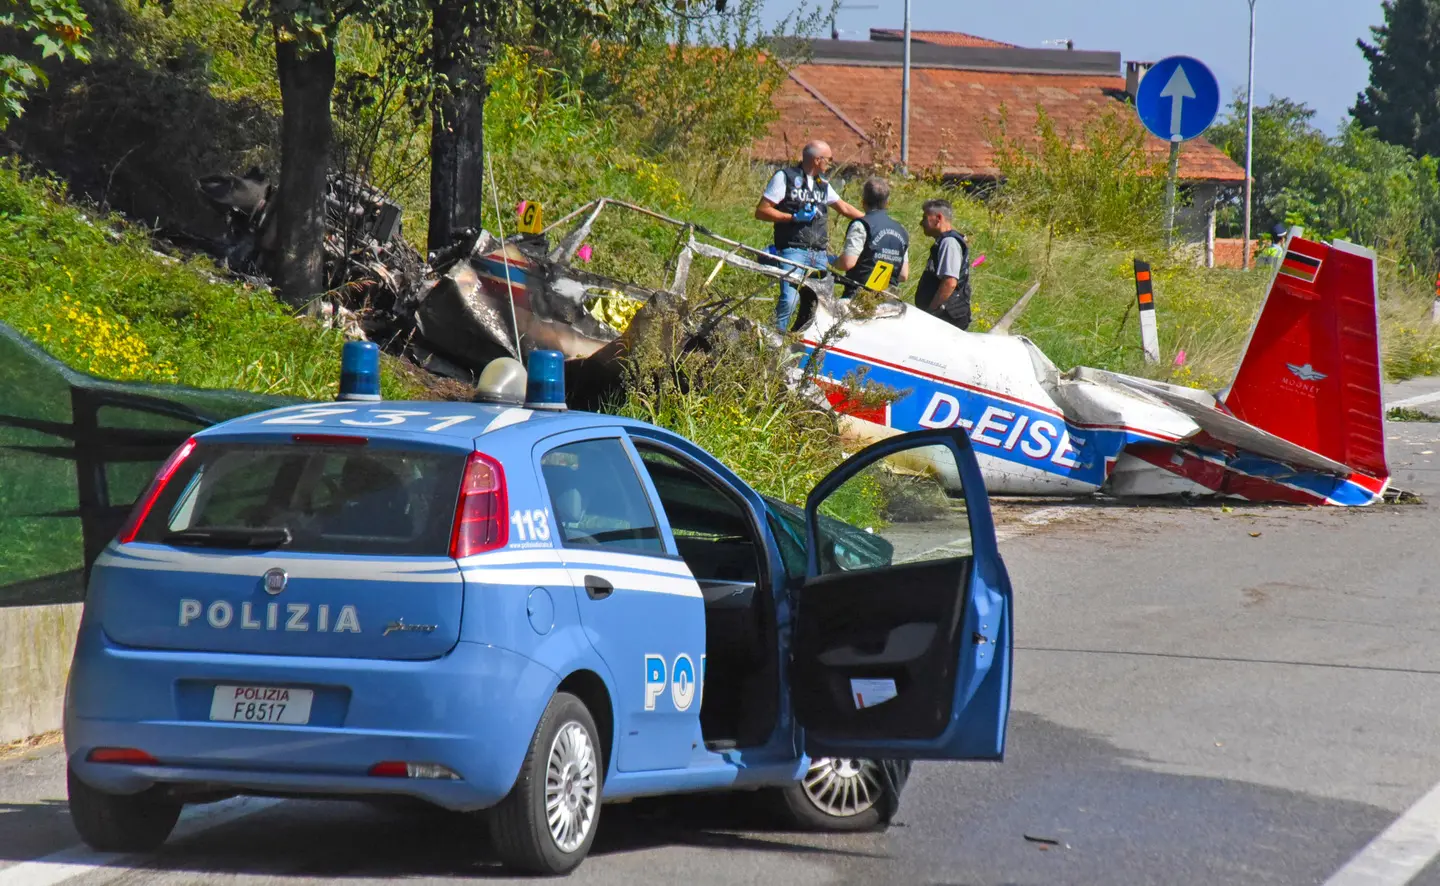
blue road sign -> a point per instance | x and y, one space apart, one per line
1178 99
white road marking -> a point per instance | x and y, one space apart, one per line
1400 852
57 867
1418 400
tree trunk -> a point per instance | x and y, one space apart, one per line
306 83
457 134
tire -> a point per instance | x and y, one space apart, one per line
564 767
844 795
120 822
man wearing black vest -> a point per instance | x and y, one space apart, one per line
797 202
873 241
944 288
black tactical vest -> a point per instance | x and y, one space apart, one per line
803 235
885 240
958 306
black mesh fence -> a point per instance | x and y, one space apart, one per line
75 453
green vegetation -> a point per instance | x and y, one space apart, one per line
1353 185
666 127
1404 413
94 293
1400 100
57 28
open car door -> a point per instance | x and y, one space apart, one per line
903 636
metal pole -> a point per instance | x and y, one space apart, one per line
1170 191
905 100
1249 138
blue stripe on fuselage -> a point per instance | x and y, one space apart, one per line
493 267
1336 490
997 427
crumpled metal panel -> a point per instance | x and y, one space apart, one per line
467 314
459 319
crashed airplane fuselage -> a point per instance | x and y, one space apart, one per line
1301 423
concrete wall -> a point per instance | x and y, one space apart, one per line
35 647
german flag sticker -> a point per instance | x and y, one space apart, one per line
1300 266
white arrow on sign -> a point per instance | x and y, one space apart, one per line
1177 90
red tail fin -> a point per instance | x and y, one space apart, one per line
1311 370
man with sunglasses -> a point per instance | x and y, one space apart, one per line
797 202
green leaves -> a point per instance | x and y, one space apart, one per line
1400 101
1098 181
1352 185
60 30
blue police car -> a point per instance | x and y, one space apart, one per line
513 607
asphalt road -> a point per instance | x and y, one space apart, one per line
1203 695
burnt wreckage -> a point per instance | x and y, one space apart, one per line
480 298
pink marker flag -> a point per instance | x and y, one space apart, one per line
1180 358
978 262
585 252
520 207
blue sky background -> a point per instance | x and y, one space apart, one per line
1304 49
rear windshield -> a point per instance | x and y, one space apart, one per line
318 499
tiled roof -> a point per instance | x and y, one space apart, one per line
939 38
950 111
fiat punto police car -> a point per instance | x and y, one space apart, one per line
513 607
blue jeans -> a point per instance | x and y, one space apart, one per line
789 295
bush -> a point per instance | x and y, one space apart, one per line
1098 182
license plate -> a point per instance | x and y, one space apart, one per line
261 704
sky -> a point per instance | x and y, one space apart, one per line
1304 49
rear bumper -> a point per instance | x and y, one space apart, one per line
473 711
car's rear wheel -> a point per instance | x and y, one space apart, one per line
120 822
843 794
547 823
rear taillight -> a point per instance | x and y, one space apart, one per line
134 756
480 520
157 485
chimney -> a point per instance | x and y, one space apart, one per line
1134 73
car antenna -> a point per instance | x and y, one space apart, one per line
504 253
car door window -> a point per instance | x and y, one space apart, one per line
907 507
597 498
713 533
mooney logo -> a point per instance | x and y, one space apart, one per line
1306 372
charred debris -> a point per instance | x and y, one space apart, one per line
482 297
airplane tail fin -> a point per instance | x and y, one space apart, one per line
1311 369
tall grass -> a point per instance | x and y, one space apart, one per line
93 292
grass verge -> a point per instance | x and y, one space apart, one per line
1404 413
92 291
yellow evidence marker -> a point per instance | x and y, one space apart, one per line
530 219
880 276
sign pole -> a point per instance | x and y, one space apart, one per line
1177 101
905 100
1170 192
1249 138
1435 308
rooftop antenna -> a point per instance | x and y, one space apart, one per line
834 32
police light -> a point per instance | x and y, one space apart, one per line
546 386
502 381
359 371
